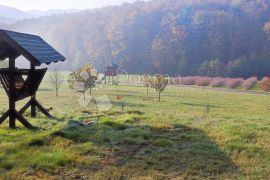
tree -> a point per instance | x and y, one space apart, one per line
56 80
83 79
159 83
88 76
146 82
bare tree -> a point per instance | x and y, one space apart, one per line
56 80
159 83
146 82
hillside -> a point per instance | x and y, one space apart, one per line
188 37
10 15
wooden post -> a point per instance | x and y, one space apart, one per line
12 101
33 98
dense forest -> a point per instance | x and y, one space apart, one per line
186 37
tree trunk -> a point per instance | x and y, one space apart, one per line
159 96
56 92
147 90
90 90
123 105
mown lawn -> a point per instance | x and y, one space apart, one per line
191 134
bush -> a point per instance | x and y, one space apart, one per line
264 78
233 82
249 83
218 82
203 81
189 80
265 84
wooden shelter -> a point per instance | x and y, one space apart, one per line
37 52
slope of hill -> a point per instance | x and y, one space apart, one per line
10 15
188 37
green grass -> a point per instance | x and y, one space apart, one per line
175 138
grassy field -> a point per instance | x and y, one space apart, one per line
190 134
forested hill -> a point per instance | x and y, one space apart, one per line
187 37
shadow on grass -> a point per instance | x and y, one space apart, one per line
45 89
128 104
178 151
201 105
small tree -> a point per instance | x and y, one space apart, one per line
89 75
146 82
83 79
56 80
159 83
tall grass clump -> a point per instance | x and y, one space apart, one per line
265 84
249 83
233 83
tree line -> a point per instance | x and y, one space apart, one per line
229 38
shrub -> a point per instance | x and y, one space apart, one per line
249 83
218 82
203 81
265 84
233 82
189 80
264 78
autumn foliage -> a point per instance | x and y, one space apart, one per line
265 84
249 83
233 82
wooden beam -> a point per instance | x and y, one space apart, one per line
25 107
12 100
33 98
23 121
4 117
43 110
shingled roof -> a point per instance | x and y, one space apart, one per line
32 47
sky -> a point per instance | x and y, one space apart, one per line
60 4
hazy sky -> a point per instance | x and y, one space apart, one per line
60 4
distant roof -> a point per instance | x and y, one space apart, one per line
32 47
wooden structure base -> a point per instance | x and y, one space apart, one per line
14 114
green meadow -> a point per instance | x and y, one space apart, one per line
190 134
